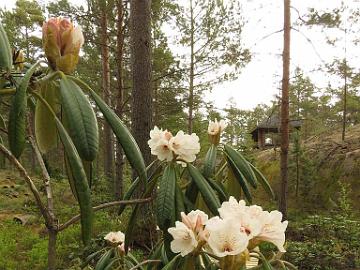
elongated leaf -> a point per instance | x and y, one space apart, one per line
104 260
80 182
17 115
124 136
5 50
263 182
179 201
208 194
45 127
172 264
210 161
240 178
80 119
220 190
192 192
242 164
165 198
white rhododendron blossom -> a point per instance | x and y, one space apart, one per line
247 216
273 230
185 146
239 228
165 146
159 144
216 127
226 237
115 237
184 239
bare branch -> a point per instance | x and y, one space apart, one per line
44 172
103 206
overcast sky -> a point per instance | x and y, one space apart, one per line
260 79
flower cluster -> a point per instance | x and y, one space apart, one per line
116 239
62 42
239 228
182 147
214 130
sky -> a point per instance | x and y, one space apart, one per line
260 80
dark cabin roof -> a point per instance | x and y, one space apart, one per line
272 124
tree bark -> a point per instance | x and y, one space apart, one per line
285 112
140 34
108 137
119 161
191 75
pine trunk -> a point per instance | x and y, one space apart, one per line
285 112
108 137
140 33
119 162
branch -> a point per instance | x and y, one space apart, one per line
45 213
44 172
145 262
103 206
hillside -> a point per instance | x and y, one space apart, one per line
327 167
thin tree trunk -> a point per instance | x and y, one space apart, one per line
52 249
345 103
108 137
191 83
118 184
285 112
140 33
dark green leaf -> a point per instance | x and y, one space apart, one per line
5 50
208 194
240 178
242 164
210 161
17 116
124 136
80 118
165 198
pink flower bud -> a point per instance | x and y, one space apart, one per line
62 42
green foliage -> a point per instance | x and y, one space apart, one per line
80 119
165 199
18 114
320 242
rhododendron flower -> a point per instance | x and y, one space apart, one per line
273 230
216 127
115 237
184 239
249 217
195 221
62 42
185 146
165 146
159 144
214 130
226 237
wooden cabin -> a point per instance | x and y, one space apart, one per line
267 132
